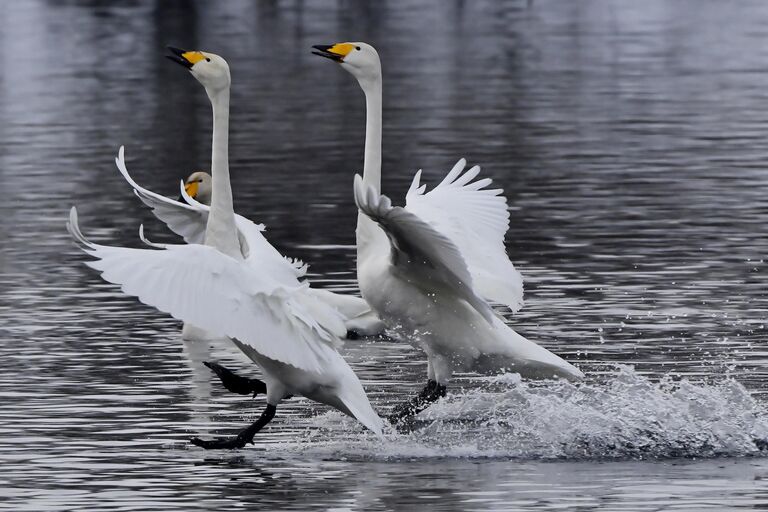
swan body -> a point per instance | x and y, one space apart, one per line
431 269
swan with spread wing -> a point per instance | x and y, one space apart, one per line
430 270
237 285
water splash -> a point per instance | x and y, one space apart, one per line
625 416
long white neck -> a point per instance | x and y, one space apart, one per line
220 232
371 240
372 162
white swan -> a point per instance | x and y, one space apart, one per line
429 269
239 287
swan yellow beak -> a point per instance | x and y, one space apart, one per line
191 188
184 57
335 52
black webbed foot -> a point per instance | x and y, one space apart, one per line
235 383
403 414
244 436
220 443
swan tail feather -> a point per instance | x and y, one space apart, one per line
352 395
364 413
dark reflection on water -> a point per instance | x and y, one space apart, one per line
631 140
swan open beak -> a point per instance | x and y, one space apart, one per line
184 57
335 52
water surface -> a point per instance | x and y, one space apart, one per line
630 138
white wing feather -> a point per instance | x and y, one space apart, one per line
348 305
418 249
475 219
241 299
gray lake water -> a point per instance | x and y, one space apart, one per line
631 138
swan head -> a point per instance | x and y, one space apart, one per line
208 68
198 186
359 59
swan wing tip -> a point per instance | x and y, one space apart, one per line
73 226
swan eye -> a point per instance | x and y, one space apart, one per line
208 59
357 48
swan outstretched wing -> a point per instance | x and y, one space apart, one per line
418 249
237 298
476 219
185 220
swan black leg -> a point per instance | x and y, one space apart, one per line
404 412
235 383
243 437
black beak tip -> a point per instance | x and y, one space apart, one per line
175 51
179 60
177 56
322 51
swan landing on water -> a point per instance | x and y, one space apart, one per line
238 285
430 269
